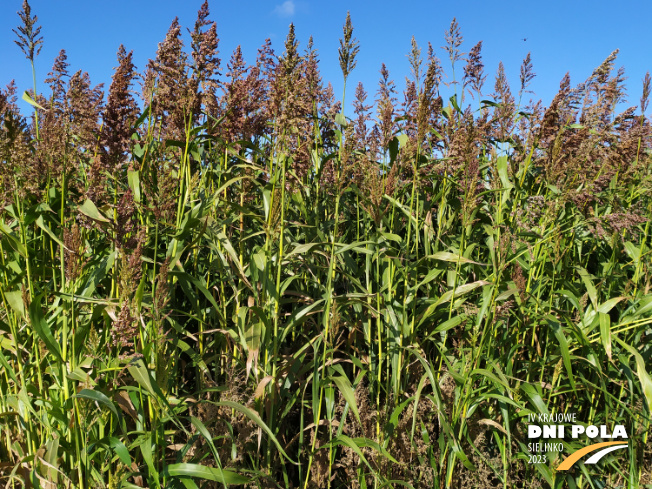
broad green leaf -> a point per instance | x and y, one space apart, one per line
358 246
52 458
451 294
197 283
461 290
449 324
142 117
453 101
393 147
535 397
641 372
146 449
403 209
89 209
300 249
368 443
42 328
344 385
605 332
253 415
97 275
189 483
141 374
133 178
259 260
486 374
206 473
188 350
15 300
207 436
40 223
346 441
633 252
608 305
226 243
452 257
501 165
27 98
393 421
563 346
432 275
121 450
14 241
97 397
590 288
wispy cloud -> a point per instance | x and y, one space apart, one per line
286 9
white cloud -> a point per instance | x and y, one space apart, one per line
286 9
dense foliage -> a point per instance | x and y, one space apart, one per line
239 285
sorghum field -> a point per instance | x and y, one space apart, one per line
230 283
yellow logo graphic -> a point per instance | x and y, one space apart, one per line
575 456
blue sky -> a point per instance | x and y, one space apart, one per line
572 35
